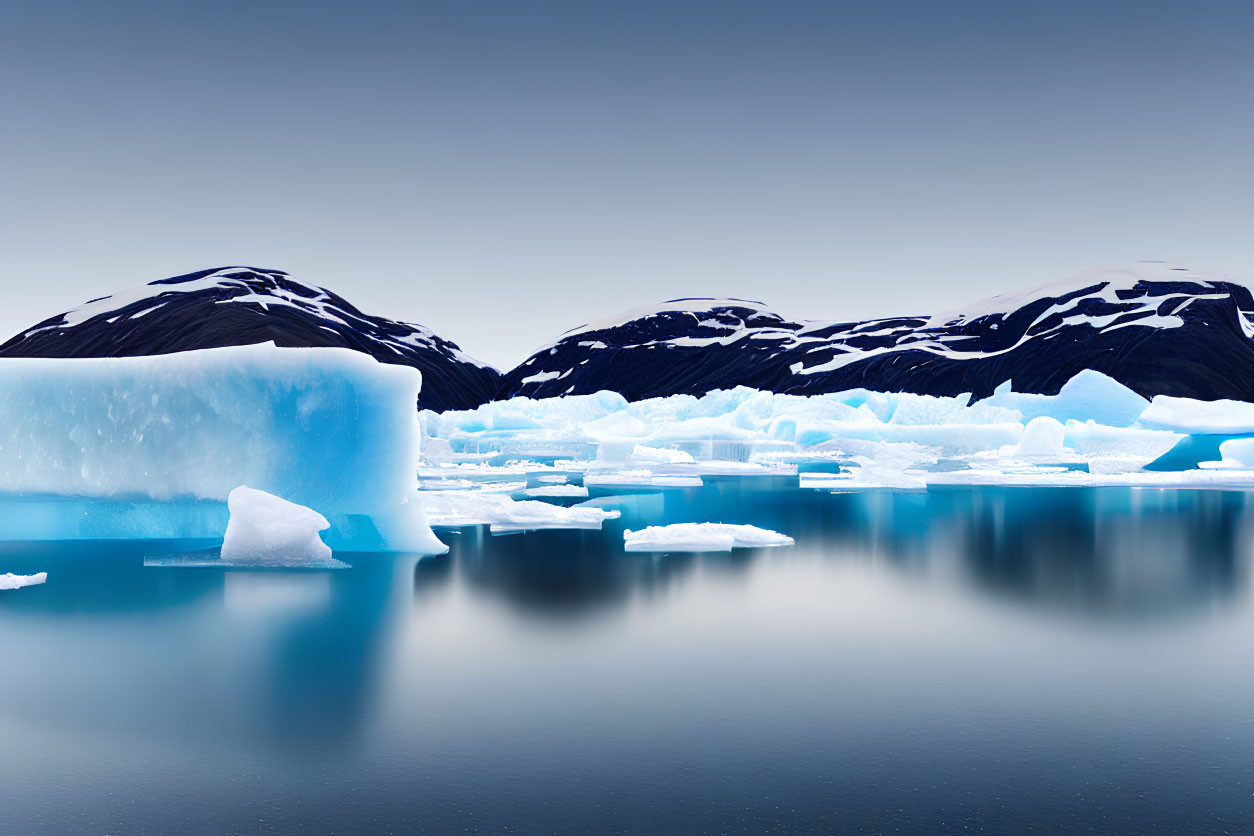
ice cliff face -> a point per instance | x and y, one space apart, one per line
1156 328
243 306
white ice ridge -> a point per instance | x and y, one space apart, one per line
1094 431
11 581
142 447
701 537
265 529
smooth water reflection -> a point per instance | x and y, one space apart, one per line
998 658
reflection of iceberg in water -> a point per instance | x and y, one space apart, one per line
548 574
1106 552
275 658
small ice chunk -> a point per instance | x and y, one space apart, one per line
268 530
701 537
12 581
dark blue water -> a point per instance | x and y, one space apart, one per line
1001 660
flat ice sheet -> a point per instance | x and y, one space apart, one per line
701 537
11 581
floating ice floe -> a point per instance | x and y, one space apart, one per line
11 581
503 513
701 537
641 478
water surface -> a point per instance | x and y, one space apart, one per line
997 659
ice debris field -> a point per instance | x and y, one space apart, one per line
1094 432
335 456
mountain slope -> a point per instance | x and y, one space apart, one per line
243 306
1156 328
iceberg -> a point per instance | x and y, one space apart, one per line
1088 396
151 447
11 581
267 530
701 537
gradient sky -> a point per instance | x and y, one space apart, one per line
504 171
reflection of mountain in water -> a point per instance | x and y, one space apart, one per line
1107 552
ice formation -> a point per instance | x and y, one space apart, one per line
265 529
503 513
1095 431
701 537
150 447
11 581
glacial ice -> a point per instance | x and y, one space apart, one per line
267 530
11 581
1190 416
701 537
1095 431
659 455
1238 454
150 447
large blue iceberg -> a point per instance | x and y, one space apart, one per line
153 446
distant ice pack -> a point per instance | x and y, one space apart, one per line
1095 431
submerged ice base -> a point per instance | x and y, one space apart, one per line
150 447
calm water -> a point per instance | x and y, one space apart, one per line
1006 660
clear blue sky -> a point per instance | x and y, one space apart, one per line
503 171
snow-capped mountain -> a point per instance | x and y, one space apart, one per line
1156 328
242 306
